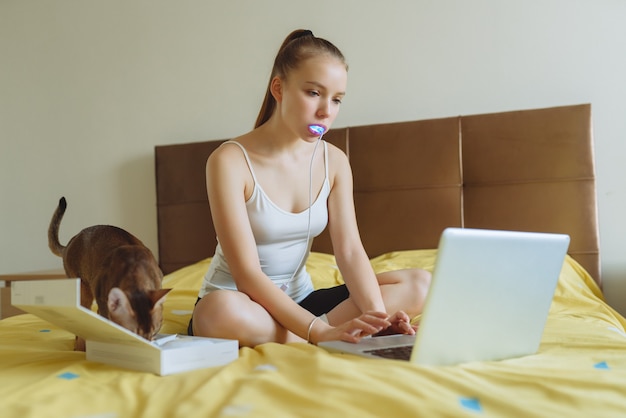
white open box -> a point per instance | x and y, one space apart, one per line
58 301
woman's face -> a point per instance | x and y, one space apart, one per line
312 94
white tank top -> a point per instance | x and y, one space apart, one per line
281 239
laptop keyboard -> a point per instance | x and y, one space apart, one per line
402 352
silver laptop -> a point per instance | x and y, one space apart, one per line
489 300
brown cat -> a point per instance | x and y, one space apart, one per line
115 268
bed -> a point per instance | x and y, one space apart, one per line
530 170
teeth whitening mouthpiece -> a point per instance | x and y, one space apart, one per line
317 129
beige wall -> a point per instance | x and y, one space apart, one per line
88 88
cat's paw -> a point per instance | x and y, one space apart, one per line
80 344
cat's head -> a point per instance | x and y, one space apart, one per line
130 282
138 311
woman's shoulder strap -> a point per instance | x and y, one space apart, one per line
245 154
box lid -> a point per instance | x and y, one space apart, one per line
58 301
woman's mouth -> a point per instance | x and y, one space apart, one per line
317 129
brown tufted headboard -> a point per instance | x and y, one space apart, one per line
529 170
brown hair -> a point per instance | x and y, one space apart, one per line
299 45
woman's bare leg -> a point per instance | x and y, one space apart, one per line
402 290
233 315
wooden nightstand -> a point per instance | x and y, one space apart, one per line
6 309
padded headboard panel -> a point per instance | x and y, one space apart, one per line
529 170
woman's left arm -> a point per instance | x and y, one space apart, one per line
350 255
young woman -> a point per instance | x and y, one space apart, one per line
271 191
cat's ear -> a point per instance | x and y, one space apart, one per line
157 297
118 302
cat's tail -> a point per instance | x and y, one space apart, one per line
53 229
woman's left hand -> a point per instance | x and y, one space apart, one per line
400 324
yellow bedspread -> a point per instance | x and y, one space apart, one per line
580 369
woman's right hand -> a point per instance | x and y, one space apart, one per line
353 330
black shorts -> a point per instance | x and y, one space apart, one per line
322 301
318 302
